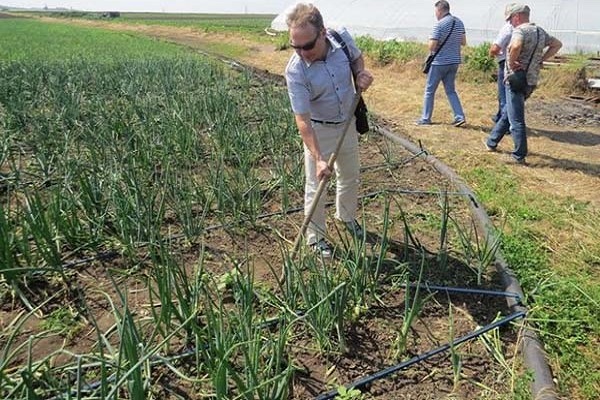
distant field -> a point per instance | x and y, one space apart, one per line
27 39
238 23
241 23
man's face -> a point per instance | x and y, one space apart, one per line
307 42
515 19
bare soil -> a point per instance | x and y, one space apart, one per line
370 338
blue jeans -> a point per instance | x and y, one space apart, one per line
447 75
501 91
513 118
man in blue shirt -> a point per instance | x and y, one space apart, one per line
321 91
449 33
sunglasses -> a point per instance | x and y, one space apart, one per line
306 47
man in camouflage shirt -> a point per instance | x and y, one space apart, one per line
526 53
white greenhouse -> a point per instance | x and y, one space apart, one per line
575 22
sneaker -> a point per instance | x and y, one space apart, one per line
488 147
459 122
421 122
517 161
322 248
354 228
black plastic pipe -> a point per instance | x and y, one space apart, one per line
534 357
395 368
450 289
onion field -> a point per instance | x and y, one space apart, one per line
149 201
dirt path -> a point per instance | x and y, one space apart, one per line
563 135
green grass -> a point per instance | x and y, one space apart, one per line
27 39
100 141
562 289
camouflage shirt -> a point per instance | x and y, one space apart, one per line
534 40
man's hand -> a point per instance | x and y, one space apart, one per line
323 171
515 65
364 79
494 50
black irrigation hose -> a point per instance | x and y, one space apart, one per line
542 386
395 368
465 290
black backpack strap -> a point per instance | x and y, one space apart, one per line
341 42
338 38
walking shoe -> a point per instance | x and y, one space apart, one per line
354 228
459 122
517 161
322 248
488 147
421 122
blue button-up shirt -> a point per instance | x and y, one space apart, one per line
323 88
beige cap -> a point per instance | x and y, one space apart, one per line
515 8
509 6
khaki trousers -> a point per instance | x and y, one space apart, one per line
347 169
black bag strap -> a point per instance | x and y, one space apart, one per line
445 39
338 38
342 43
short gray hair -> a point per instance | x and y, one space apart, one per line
305 14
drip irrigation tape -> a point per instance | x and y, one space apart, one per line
415 192
392 164
542 386
100 256
395 368
467 290
111 253
156 360
90 387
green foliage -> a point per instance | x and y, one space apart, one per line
563 306
63 320
348 394
82 119
237 23
282 41
478 59
388 51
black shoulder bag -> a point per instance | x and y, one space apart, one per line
360 113
429 60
